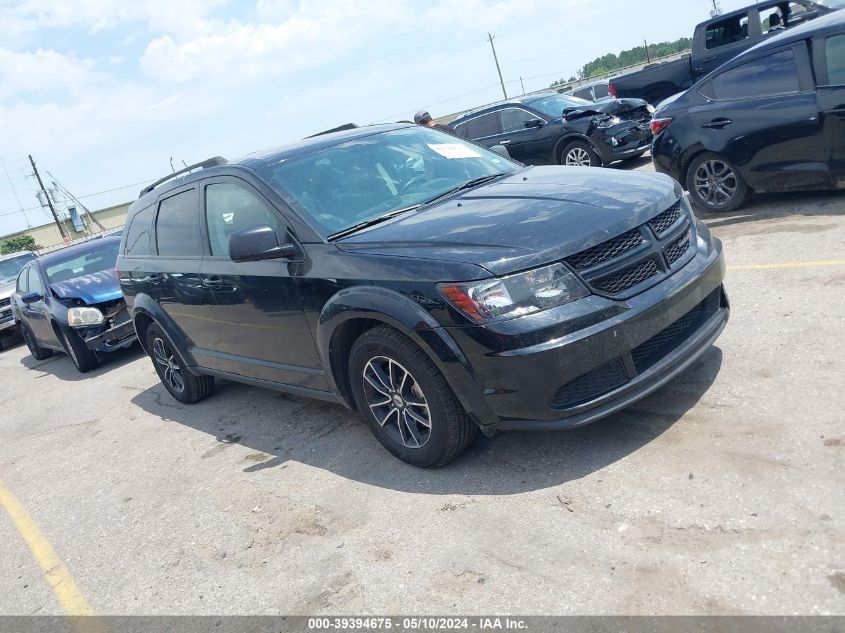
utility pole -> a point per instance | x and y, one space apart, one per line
523 85
647 56
496 59
47 197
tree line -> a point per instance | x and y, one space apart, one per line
612 61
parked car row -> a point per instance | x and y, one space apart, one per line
10 267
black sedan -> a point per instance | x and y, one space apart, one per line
554 129
772 119
70 301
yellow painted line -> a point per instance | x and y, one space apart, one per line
774 266
57 575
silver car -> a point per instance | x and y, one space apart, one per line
10 267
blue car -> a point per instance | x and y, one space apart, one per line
70 301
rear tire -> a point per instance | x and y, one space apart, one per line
406 401
186 387
83 358
579 154
714 184
38 352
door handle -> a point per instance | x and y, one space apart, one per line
717 124
507 141
212 282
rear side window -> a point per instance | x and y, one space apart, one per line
177 226
484 125
601 91
138 233
834 51
728 31
23 281
773 74
461 129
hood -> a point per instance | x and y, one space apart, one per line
91 289
530 218
7 288
612 107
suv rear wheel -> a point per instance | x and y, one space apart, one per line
405 400
186 387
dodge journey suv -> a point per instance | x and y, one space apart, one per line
435 286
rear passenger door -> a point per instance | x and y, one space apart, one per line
260 326
763 117
484 129
830 71
172 273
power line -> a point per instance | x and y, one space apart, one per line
88 195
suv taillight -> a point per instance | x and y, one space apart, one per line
612 91
658 125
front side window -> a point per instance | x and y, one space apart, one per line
514 120
554 105
23 282
584 93
773 74
601 91
834 51
484 125
727 31
229 208
9 268
177 228
353 182
33 281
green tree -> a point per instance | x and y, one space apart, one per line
20 243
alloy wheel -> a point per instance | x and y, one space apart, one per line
166 359
397 401
715 183
578 157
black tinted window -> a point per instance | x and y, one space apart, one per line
727 31
834 50
485 125
601 91
584 93
513 119
771 75
230 208
138 233
461 129
177 229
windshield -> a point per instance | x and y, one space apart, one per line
554 105
9 268
831 4
76 264
347 184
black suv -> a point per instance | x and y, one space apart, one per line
554 129
436 286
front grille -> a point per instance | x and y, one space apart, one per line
665 220
5 302
591 385
627 277
662 343
606 250
674 252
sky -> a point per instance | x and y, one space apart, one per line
104 93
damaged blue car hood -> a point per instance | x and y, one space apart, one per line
91 289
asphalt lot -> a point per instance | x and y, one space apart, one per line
722 493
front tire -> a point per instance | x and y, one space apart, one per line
83 358
714 184
406 401
186 387
579 154
38 352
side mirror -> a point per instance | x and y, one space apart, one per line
31 297
538 123
258 243
501 150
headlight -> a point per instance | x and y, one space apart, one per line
84 317
517 295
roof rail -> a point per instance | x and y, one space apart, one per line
211 162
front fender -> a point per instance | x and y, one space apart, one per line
145 306
396 310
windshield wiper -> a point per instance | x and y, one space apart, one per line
371 222
467 185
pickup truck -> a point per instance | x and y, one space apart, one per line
715 42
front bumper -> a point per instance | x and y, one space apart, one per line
7 319
610 355
117 337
